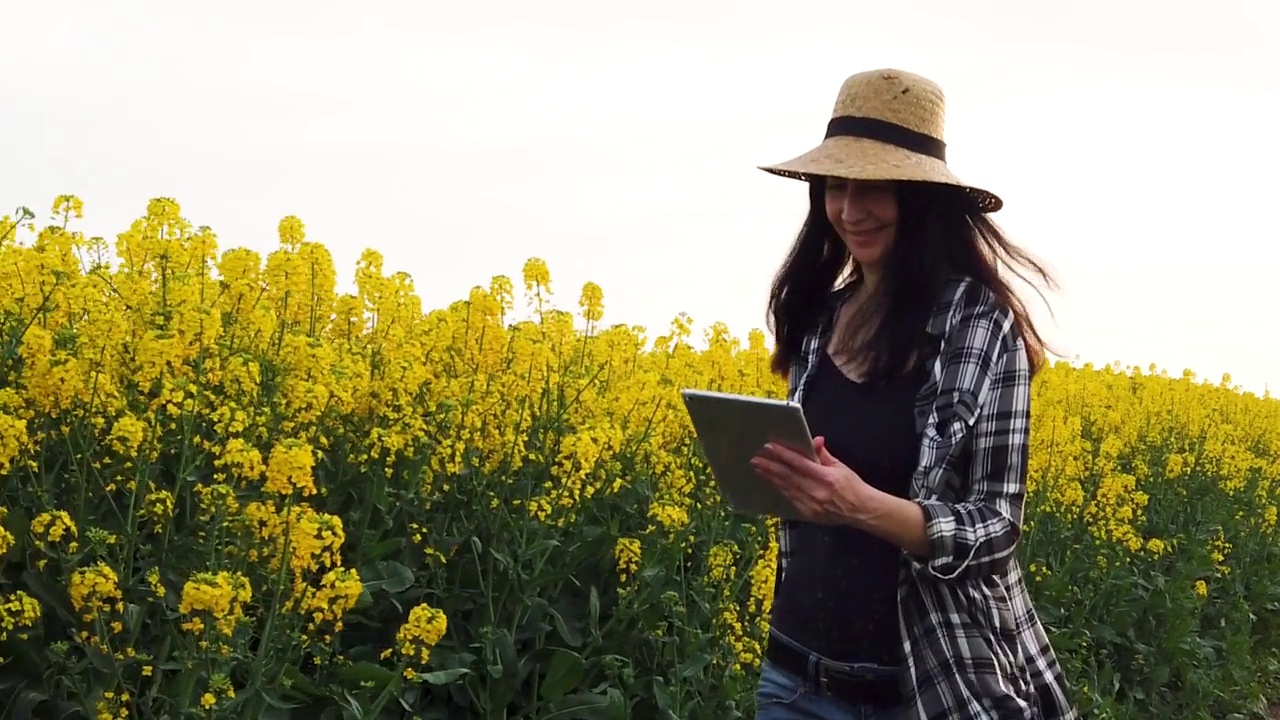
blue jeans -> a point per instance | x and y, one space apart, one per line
783 696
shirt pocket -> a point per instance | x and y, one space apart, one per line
956 412
946 444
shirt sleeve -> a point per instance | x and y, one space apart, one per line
983 405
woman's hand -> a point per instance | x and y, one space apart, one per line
826 491
830 493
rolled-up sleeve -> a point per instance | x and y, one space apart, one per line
983 407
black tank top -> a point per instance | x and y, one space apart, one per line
840 595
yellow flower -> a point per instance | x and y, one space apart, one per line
592 302
217 418
222 596
537 278
157 506
13 432
127 435
94 590
325 606
6 538
627 553
53 526
721 562
424 628
18 611
289 469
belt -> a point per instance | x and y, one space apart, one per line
874 685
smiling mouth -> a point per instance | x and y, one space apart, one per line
867 231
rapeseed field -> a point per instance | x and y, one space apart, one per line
229 491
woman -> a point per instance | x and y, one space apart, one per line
900 595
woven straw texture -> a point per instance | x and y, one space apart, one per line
895 96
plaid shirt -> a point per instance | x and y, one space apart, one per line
973 644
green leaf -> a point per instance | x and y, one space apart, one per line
274 713
185 683
59 601
593 609
581 706
387 575
24 706
504 560
567 633
564 673
380 550
544 544
506 648
275 702
663 696
62 710
100 660
378 491
19 524
132 617
695 666
532 626
363 672
444 677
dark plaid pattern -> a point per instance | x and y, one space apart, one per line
974 645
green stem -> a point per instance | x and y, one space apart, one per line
265 640
385 696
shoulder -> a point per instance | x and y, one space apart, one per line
982 360
970 313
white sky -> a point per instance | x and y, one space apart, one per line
1134 143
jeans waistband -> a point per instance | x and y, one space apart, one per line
868 683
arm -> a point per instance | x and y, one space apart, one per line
979 534
891 518
989 374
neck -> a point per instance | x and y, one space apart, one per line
870 275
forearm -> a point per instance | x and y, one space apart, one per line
895 520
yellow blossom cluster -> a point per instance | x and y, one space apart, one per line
627 554
95 590
18 613
52 527
420 633
304 540
289 469
326 605
195 438
220 596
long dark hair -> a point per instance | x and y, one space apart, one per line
940 232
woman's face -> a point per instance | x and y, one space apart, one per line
865 216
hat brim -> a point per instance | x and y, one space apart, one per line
855 158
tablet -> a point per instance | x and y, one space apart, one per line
732 429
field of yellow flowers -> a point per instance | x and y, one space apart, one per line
231 492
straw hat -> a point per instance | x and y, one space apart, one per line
886 125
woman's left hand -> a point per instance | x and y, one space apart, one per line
825 492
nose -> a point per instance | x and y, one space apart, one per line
852 207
